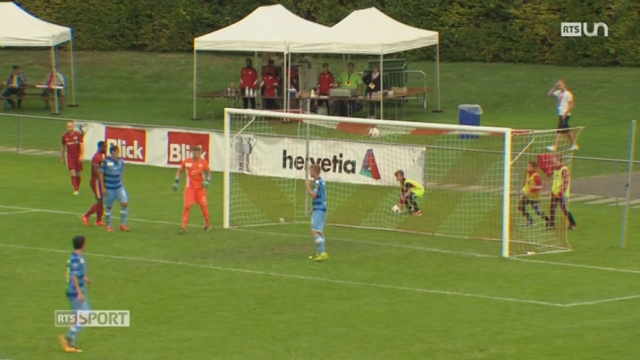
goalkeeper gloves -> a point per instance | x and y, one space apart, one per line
206 183
176 184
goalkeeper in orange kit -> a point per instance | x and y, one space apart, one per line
198 178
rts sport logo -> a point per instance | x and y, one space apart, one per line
132 142
181 145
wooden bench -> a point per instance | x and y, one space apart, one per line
4 104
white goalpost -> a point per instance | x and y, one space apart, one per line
473 177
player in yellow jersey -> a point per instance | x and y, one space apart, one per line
560 193
531 194
411 190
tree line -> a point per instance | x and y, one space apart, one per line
520 31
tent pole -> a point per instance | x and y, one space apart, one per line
285 90
438 110
286 86
290 81
74 102
288 72
256 63
381 83
195 83
54 110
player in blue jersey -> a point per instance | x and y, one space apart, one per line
77 281
111 181
317 189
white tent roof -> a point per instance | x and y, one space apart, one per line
368 31
19 28
268 28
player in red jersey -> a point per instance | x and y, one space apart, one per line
198 177
97 186
71 154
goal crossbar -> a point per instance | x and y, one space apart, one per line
284 115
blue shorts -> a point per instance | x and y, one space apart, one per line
318 218
112 195
78 305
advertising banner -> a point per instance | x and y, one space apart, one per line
355 162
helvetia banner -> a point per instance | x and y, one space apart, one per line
340 161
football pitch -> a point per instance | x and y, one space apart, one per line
251 293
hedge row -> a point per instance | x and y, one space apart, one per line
470 30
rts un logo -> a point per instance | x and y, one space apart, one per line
576 29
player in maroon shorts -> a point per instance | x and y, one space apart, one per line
96 186
71 154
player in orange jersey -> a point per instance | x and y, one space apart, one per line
71 154
198 178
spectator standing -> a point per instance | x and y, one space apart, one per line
372 80
248 84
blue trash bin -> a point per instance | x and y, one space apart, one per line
469 114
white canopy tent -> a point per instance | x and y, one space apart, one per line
18 28
369 32
266 29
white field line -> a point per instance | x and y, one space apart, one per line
298 277
80 214
419 248
17 212
578 265
333 281
585 303
365 242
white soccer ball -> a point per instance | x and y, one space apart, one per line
395 209
374 132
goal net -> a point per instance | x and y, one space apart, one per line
473 177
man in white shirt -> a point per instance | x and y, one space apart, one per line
565 106
55 79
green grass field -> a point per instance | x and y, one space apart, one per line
252 294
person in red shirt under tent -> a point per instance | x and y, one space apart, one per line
270 85
325 83
248 84
268 70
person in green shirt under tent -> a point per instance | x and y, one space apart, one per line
349 80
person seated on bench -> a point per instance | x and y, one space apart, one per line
54 79
16 84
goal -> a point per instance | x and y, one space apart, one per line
472 175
